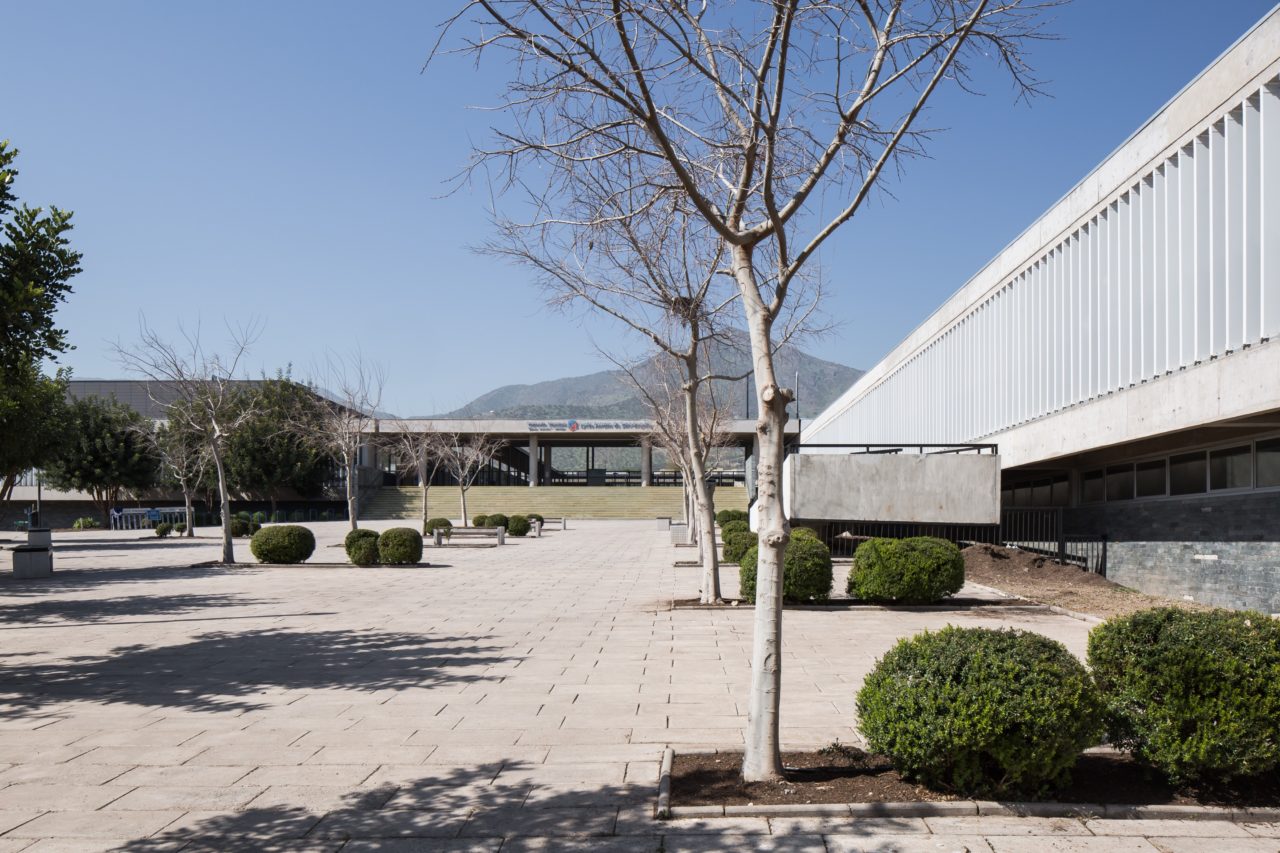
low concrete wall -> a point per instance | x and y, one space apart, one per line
936 488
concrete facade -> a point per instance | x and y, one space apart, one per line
906 487
1136 323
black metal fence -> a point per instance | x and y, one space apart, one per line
1039 531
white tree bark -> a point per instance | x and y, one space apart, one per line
762 759
353 489
224 499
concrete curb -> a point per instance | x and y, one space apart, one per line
1061 611
953 808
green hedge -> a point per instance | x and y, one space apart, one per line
164 528
916 570
518 525
283 543
1197 694
362 547
736 543
498 520
400 546
736 526
535 516
980 712
86 523
480 521
806 570
724 516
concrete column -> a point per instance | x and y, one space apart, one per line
546 464
533 460
646 461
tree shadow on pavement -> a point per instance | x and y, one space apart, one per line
53 611
76 580
210 672
483 808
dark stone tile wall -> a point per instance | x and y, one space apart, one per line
1219 550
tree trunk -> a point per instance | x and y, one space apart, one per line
273 507
190 512
762 759
425 486
704 512
353 492
463 492
224 498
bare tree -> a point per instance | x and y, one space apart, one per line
351 391
184 458
689 424
772 119
424 452
657 274
200 394
465 456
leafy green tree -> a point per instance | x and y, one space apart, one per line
36 267
33 416
104 454
269 456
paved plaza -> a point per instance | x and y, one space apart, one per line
514 698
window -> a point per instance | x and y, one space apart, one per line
1231 468
1269 462
1187 474
1041 493
1120 482
1150 479
1061 492
1092 490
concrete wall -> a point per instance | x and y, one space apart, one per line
947 489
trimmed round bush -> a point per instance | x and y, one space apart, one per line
981 712
86 523
518 525
806 570
916 570
480 521
734 527
1196 694
362 547
535 516
164 528
283 543
736 543
239 527
258 518
180 527
498 520
444 525
724 516
400 546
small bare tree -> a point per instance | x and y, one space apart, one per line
424 452
690 426
465 456
351 391
184 458
198 391
773 120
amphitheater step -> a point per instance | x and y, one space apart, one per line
570 501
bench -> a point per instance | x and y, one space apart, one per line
35 559
550 520
499 533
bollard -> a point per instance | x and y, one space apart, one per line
502 535
437 538
537 529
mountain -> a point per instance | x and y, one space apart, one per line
610 394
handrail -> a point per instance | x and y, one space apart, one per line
993 449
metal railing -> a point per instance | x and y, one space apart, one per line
920 449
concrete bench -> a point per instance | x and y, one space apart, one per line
35 559
499 533
550 520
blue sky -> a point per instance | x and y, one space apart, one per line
288 161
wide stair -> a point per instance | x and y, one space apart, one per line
392 502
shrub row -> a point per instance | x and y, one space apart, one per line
516 525
397 546
987 712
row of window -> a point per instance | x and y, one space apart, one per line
1244 466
